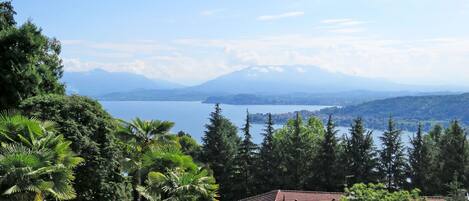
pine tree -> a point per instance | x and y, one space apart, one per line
245 164
295 148
392 158
360 154
297 153
265 174
220 145
420 161
452 155
327 171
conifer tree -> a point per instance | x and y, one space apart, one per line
419 161
452 155
360 154
295 146
265 174
220 145
244 185
327 171
392 158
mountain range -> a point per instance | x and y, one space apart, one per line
292 84
98 82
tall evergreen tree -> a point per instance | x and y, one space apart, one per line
295 147
419 161
392 157
267 162
360 154
452 155
245 164
326 161
220 146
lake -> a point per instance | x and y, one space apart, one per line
191 116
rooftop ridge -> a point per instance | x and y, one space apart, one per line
316 192
263 194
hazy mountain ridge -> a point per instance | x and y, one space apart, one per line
294 79
293 84
98 82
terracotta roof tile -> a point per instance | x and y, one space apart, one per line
289 195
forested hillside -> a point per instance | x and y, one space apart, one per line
407 111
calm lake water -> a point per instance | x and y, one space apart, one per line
191 116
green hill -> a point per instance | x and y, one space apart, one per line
407 110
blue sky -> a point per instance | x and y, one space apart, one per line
407 41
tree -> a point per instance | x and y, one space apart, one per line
295 148
90 129
35 162
360 154
177 184
392 159
267 160
420 161
138 137
189 145
456 193
245 164
219 149
327 173
452 155
30 62
378 192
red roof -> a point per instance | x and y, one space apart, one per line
288 195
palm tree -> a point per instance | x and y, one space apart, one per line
35 163
179 185
138 136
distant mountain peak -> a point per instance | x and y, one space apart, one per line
98 82
275 79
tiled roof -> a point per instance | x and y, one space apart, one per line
289 195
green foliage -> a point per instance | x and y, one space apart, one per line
420 159
266 180
295 148
453 155
30 62
378 192
327 171
189 145
179 185
138 138
392 158
359 154
35 162
456 193
85 123
245 165
220 146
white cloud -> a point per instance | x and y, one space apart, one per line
189 61
210 12
342 26
280 16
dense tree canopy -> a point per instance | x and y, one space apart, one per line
90 129
30 62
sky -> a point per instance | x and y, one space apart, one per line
192 41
